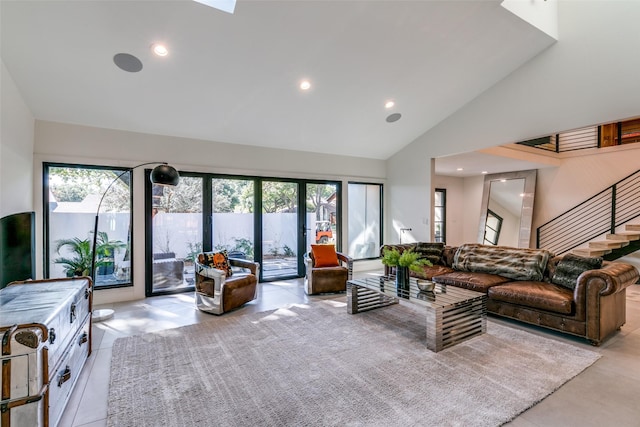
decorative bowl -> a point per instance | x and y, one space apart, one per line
426 286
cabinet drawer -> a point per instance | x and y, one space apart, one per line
66 373
66 323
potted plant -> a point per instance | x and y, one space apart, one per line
105 251
79 263
403 262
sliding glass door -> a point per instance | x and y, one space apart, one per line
281 229
175 235
322 219
270 220
233 223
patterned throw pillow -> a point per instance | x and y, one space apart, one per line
219 260
571 266
431 251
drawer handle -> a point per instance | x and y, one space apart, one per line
73 313
83 338
52 335
64 376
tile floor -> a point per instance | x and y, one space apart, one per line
607 393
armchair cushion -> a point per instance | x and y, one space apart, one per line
219 260
324 256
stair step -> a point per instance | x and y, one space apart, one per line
624 235
608 244
632 227
590 252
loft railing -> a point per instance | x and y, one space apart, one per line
600 214
579 139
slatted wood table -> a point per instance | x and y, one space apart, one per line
453 314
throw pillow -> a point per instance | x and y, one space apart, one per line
571 266
219 260
324 256
431 251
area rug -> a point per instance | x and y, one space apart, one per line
316 365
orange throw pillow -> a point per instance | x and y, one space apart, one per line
325 256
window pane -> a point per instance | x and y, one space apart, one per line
365 217
439 198
176 233
321 214
74 196
232 225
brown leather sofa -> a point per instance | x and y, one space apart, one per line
594 309
216 293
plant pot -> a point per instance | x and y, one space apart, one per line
402 282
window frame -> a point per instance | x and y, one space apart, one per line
380 219
47 244
443 237
496 230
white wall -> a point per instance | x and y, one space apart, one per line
588 77
57 142
16 149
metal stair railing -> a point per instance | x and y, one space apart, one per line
600 214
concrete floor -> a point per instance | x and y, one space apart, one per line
605 394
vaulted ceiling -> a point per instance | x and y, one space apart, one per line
235 78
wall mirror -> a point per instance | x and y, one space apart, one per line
507 209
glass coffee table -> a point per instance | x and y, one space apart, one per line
453 314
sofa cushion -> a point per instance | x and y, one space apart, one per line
539 295
514 263
479 282
431 251
571 266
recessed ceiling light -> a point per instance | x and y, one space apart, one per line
160 49
484 172
305 85
459 169
389 104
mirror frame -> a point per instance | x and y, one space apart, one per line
526 212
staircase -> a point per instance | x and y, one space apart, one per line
602 223
615 246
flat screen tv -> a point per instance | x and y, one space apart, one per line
17 247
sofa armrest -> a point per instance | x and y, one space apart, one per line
344 258
254 267
600 298
610 279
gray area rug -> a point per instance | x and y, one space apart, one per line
316 365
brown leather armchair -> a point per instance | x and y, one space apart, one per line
216 293
327 279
